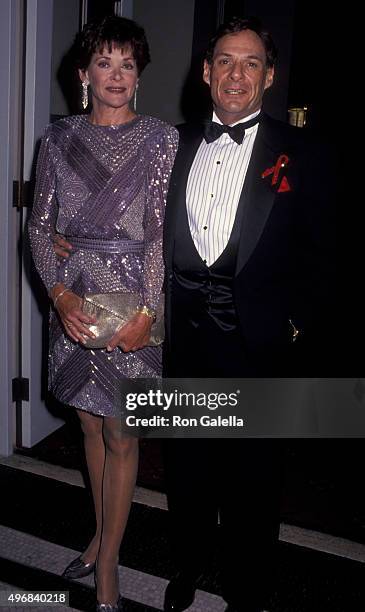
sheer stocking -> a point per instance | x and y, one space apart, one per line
92 427
121 463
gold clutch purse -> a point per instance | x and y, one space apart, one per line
112 311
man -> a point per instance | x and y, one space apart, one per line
247 254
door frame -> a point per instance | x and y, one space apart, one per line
10 26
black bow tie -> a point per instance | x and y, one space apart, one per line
213 130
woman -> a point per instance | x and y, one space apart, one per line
101 182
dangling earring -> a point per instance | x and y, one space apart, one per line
85 95
135 98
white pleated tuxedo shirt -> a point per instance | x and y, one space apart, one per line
214 186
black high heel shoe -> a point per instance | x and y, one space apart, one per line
118 607
78 569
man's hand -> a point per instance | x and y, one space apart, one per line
133 335
61 246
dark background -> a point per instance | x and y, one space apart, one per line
305 34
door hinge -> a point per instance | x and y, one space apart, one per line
21 194
20 389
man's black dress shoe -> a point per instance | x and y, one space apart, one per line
179 594
78 569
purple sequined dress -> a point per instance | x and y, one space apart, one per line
97 184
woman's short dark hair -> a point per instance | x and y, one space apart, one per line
238 24
111 32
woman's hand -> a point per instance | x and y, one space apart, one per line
133 335
69 308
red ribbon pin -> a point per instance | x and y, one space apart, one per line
282 161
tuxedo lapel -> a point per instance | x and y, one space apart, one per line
188 146
257 198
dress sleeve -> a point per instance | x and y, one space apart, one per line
158 177
42 223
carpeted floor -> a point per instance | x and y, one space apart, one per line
322 490
55 514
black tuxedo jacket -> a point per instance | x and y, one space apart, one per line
284 272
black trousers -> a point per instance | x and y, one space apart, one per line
235 479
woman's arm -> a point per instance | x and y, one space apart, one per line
43 219
42 226
158 178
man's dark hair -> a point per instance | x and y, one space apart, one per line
238 24
111 32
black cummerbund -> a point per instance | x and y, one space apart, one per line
198 294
